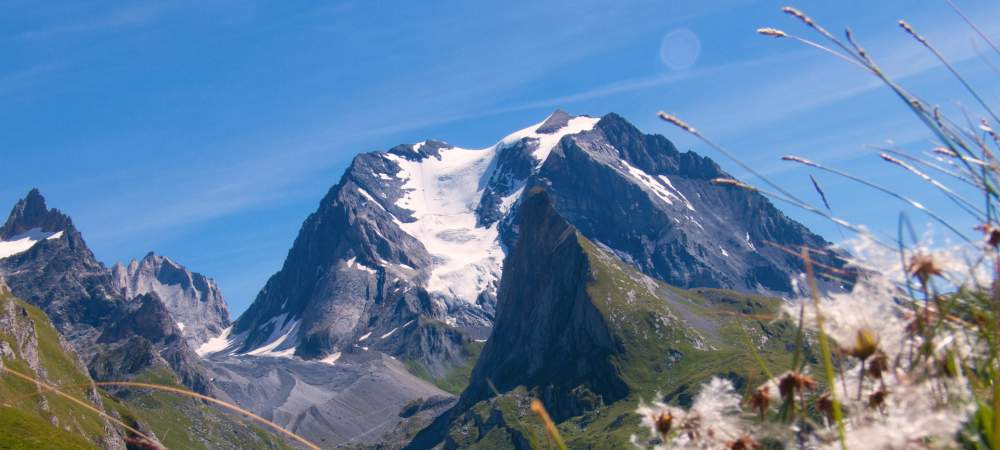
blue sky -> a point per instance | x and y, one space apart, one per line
208 131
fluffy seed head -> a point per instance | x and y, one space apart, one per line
878 365
798 159
865 344
877 398
664 422
825 405
945 151
732 182
991 234
923 267
912 32
760 400
773 32
670 118
794 382
798 15
743 443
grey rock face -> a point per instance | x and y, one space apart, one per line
192 299
78 293
560 337
657 208
351 271
561 343
370 259
554 122
354 402
30 213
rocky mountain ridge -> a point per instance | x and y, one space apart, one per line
421 230
593 334
193 300
117 338
62 277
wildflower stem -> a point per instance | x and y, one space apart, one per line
550 427
973 26
890 192
825 49
909 29
756 355
861 378
824 348
799 338
694 132
995 431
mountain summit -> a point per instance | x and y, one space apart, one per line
30 222
55 270
194 300
405 253
31 213
45 262
587 334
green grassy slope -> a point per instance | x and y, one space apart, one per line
33 418
671 341
27 331
22 430
181 422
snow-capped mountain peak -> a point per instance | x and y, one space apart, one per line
421 230
548 132
29 223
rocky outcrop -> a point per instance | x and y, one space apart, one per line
657 208
193 300
584 331
421 230
30 213
561 338
353 402
61 276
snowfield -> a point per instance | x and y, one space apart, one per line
467 257
23 242
442 193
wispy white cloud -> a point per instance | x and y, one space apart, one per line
129 15
460 86
20 80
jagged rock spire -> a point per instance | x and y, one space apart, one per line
30 213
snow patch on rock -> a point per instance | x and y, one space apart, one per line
21 243
331 358
282 341
216 344
466 257
660 186
352 263
548 141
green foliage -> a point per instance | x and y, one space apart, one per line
455 381
22 430
501 422
182 422
177 421
978 430
61 369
